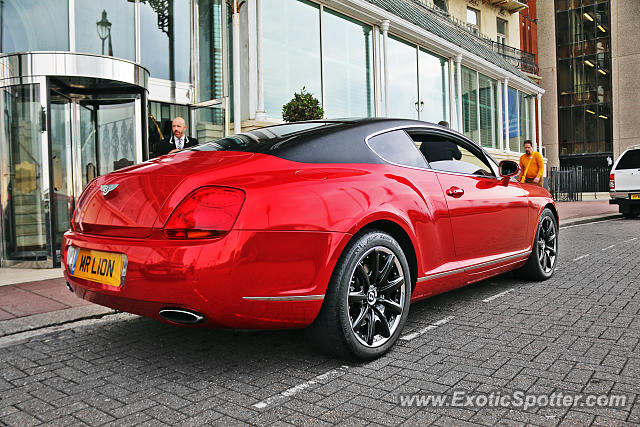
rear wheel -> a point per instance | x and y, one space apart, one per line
367 300
544 254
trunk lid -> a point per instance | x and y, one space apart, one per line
126 203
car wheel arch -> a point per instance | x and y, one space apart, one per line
403 238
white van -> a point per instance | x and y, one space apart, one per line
624 182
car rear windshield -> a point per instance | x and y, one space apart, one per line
630 160
263 140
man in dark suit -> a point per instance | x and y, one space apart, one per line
178 141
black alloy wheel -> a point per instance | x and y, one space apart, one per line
376 296
367 300
544 255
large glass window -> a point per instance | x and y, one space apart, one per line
348 67
210 49
514 128
403 79
434 87
34 25
526 118
106 27
584 83
470 103
488 91
291 51
165 39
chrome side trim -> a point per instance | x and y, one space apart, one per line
289 298
473 267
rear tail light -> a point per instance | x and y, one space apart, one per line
205 213
612 181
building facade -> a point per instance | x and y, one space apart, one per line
96 91
589 109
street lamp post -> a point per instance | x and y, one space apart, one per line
104 28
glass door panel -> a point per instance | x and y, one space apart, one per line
24 175
115 126
210 122
61 164
88 155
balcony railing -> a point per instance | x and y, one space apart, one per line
521 59
524 60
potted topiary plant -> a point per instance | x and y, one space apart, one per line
303 106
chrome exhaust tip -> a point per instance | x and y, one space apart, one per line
181 316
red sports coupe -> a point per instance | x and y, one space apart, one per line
332 225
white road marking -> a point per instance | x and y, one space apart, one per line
590 223
608 247
300 387
580 257
432 326
630 240
497 296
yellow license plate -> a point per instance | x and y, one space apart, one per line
635 197
98 266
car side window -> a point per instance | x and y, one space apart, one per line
397 147
447 154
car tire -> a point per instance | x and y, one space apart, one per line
544 254
631 213
365 307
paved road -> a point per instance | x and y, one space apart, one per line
575 334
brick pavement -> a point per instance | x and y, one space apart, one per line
576 333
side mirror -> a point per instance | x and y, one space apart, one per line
508 168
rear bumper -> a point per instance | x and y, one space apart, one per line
623 199
248 279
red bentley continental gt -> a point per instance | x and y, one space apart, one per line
332 225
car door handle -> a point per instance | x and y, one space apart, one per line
455 192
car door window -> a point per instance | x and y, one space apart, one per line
447 154
398 148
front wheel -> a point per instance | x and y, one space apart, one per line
544 254
367 300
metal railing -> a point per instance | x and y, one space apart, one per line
524 60
568 184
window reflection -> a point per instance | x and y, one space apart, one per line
469 104
348 62
165 29
434 87
488 112
403 80
514 134
119 40
34 25
210 49
291 51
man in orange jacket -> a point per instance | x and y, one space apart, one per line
531 165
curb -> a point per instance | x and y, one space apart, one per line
589 219
53 318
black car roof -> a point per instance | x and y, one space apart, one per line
319 141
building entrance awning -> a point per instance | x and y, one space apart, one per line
17 66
